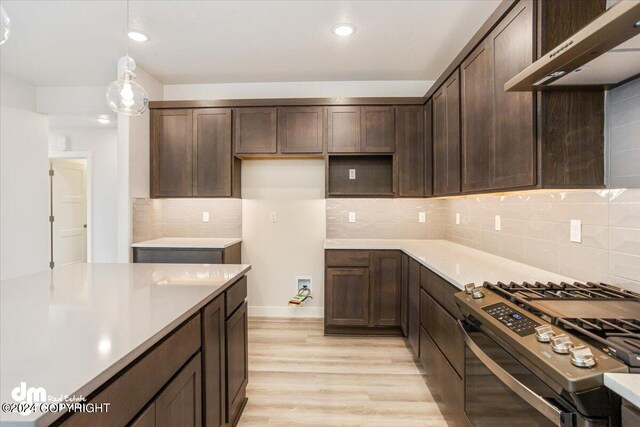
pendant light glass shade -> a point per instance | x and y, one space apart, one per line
125 96
5 25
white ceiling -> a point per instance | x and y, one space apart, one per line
69 43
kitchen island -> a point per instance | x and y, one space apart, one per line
122 335
188 250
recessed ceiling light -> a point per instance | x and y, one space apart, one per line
137 36
344 30
104 120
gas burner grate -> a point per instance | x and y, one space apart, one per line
566 291
604 327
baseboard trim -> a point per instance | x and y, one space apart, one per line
271 311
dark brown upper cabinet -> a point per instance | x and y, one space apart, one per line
446 137
191 154
255 130
343 129
171 153
410 143
428 148
378 129
301 130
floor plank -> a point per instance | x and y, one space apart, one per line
299 377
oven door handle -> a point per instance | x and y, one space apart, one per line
542 405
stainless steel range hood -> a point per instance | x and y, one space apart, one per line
604 53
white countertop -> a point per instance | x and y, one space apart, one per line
626 385
71 329
188 242
457 263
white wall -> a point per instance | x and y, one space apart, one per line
16 93
24 184
293 246
297 90
103 144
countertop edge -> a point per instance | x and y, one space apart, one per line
111 371
168 245
617 383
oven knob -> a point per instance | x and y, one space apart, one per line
544 333
477 293
561 344
582 357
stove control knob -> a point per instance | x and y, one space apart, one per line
561 344
544 333
582 357
477 293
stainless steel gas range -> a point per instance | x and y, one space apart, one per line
536 353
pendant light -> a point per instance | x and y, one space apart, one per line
125 96
5 25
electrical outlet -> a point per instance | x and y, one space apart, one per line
422 217
205 216
457 219
352 174
274 217
498 225
352 217
576 231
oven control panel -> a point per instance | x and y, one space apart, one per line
512 319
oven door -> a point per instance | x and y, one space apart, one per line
501 391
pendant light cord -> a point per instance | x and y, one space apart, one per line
127 29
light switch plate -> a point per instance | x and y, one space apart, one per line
352 217
422 217
457 219
352 174
205 216
498 224
576 231
274 217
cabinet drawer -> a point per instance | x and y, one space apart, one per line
235 295
347 258
441 290
443 329
138 384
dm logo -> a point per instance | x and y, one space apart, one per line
28 395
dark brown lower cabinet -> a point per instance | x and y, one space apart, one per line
347 297
386 282
404 303
237 362
229 255
414 305
180 404
147 418
213 362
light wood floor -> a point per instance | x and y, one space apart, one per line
299 377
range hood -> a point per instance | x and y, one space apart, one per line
604 53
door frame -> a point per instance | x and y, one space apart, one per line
88 156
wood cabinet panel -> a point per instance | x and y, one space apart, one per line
414 305
378 129
255 130
171 153
347 297
180 403
212 152
374 175
237 362
386 282
410 145
428 148
404 295
301 129
343 129
347 258
443 329
147 418
177 256
213 362
441 291
446 137
235 295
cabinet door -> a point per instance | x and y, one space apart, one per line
386 282
237 362
255 130
301 129
171 153
343 129
378 130
213 362
147 418
414 305
404 295
347 297
514 147
411 151
446 137
428 148
212 152
180 403
476 78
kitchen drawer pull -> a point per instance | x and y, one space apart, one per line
542 405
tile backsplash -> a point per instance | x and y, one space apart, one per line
155 218
386 219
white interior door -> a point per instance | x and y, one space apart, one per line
69 210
